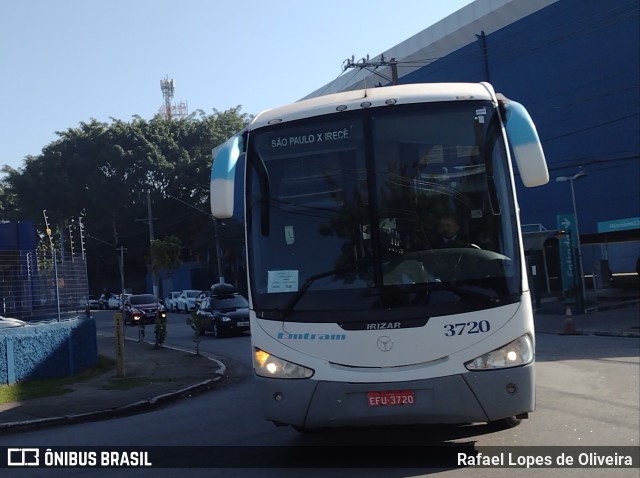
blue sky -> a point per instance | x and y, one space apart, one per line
67 61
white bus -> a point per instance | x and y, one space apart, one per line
360 313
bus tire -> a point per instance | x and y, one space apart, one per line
506 423
306 431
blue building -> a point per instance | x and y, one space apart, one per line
575 65
17 264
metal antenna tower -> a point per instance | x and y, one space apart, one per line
169 110
166 85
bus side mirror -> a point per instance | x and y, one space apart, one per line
525 144
223 173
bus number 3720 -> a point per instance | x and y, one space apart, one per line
472 327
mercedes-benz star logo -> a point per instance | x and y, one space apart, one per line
385 343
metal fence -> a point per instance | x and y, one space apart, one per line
42 285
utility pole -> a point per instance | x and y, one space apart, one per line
122 250
149 221
371 66
154 273
218 250
482 38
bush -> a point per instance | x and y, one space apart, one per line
196 322
160 330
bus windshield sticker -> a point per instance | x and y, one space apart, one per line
282 281
289 236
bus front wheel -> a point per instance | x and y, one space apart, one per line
506 423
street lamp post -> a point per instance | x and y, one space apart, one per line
571 179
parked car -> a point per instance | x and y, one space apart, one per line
113 301
104 304
93 302
186 301
170 301
123 299
224 312
201 296
142 308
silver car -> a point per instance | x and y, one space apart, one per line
171 301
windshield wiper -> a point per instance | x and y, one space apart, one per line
290 305
464 292
286 310
461 291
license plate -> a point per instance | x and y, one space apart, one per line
389 398
243 324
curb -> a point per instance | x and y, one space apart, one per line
222 366
124 410
635 335
613 305
620 334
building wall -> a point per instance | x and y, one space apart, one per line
16 236
575 65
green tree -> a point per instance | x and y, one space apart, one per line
163 254
103 170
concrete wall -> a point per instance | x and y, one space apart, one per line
47 350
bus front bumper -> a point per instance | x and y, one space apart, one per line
466 398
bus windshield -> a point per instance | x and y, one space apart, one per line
382 211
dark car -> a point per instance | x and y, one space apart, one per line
224 312
142 308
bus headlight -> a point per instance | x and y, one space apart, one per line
266 365
519 352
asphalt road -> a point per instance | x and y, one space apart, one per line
588 391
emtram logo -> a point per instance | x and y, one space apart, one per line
23 457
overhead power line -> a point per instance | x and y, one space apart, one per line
371 66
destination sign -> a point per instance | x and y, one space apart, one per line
311 138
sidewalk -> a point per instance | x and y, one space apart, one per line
153 377
614 311
621 320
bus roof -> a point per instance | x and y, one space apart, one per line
387 95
